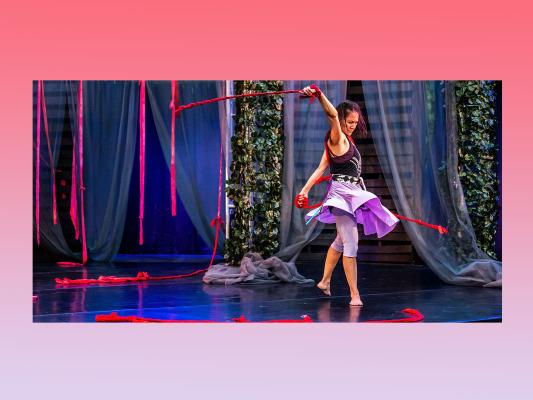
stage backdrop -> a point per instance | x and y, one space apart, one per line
421 173
110 140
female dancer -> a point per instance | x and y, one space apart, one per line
347 201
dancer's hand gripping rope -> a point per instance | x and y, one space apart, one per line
301 201
311 91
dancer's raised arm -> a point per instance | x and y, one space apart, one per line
330 111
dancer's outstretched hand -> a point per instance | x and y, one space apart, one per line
308 91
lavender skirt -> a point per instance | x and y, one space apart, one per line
364 206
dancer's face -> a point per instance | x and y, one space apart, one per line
349 123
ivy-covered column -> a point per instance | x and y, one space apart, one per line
256 172
476 103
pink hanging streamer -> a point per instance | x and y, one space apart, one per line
142 125
173 105
74 191
54 210
37 166
82 189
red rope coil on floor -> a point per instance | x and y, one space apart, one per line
417 317
113 317
141 276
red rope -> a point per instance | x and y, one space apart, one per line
417 317
306 319
37 162
142 145
113 317
315 95
82 189
437 227
141 276
74 190
69 264
174 86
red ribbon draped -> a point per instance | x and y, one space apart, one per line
174 85
74 191
313 96
82 189
142 129
37 166
437 227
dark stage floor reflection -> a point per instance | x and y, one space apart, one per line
385 290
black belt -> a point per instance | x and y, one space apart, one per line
346 179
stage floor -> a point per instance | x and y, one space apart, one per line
385 291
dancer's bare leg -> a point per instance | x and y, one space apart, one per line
350 269
331 261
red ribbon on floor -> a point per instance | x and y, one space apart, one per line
142 129
69 264
141 276
417 317
113 317
306 319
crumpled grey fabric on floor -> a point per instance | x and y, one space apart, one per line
254 269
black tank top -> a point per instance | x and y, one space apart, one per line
347 164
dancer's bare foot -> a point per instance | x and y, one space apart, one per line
324 286
356 301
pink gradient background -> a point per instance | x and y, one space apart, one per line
266 40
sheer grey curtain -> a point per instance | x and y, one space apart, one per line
414 127
111 111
